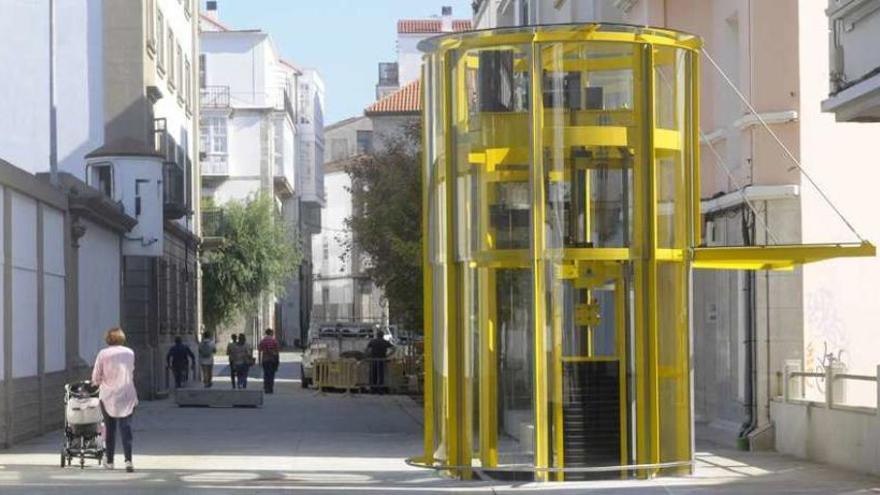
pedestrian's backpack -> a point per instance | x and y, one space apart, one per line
205 350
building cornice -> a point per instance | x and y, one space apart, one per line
751 120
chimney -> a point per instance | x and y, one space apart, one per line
446 19
211 10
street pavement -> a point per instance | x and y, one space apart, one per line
304 442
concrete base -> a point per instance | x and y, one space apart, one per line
215 397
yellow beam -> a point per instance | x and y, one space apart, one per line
781 257
586 135
541 397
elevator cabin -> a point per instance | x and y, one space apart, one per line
561 221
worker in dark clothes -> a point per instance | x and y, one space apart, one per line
377 351
180 359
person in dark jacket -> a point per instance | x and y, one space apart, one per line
180 358
377 352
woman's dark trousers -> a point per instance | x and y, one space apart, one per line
110 425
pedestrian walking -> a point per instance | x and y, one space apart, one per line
377 351
269 353
114 375
207 349
180 359
242 358
229 348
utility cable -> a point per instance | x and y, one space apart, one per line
788 152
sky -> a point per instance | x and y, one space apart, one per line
343 39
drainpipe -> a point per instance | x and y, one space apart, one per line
751 405
53 113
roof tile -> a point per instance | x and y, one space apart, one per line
414 26
405 100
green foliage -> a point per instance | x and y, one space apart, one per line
386 223
258 252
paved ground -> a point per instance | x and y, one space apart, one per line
304 442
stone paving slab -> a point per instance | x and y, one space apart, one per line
304 442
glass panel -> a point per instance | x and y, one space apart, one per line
434 176
669 144
590 141
673 362
588 87
492 228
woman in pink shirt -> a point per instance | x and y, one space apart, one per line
114 374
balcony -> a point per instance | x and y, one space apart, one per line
854 27
214 97
215 165
174 190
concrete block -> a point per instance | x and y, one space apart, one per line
215 397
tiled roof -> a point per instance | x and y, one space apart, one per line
405 100
411 26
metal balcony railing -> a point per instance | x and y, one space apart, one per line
212 219
174 190
215 165
214 96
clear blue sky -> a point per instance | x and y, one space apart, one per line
343 39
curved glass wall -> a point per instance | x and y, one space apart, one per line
559 206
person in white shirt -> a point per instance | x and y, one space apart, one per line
114 376
207 349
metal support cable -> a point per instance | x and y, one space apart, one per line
788 152
727 170
740 189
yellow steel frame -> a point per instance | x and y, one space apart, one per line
509 147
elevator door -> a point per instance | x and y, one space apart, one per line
593 370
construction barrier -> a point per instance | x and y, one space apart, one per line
344 374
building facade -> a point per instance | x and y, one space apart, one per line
305 212
104 235
248 131
748 327
342 291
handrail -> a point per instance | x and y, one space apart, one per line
830 377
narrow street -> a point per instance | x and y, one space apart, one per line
302 441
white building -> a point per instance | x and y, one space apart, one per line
305 212
342 292
118 150
248 126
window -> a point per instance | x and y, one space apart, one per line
325 250
203 59
151 26
188 85
213 135
101 178
364 142
171 75
279 147
160 41
181 76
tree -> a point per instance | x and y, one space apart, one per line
258 252
386 222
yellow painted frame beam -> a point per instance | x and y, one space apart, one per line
781 257
571 33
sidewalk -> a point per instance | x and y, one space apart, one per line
302 441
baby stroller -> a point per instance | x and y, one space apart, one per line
83 424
